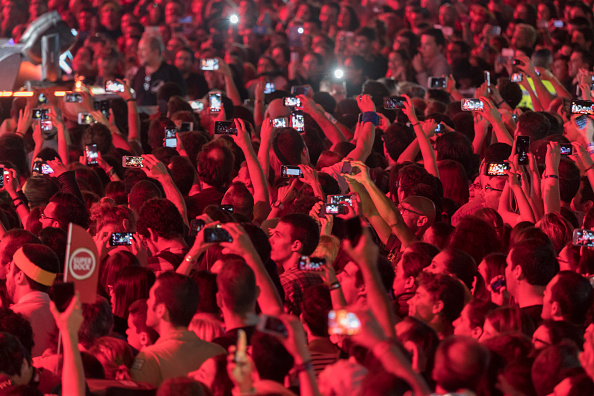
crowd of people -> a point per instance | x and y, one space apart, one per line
315 198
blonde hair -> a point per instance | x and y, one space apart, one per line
328 247
206 327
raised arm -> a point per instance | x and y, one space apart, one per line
133 117
491 114
230 87
429 161
242 139
330 130
551 193
63 135
365 132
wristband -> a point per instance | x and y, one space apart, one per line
370 116
19 198
414 125
589 168
500 103
551 176
334 285
130 100
19 204
305 366
111 171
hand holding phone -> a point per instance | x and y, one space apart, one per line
216 234
343 322
91 154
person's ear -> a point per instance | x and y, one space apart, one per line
152 235
437 307
588 205
162 312
517 272
409 283
421 221
296 246
20 278
477 332
220 302
144 339
556 309
125 224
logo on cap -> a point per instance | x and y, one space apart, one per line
82 264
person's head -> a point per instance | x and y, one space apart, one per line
100 135
472 318
505 320
329 15
182 386
454 180
138 333
62 209
364 39
115 355
33 268
184 60
557 228
17 325
432 43
97 323
131 284
475 237
237 290
438 299
15 361
568 296
438 234
460 363
492 265
417 212
579 59
552 365
524 36
407 269
173 300
456 51
271 359
159 219
552 332
455 262
396 139
11 242
215 164
141 192
295 235
107 218
150 50
109 15
314 310
289 147
529 263
240 198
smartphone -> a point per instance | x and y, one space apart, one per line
343 322
487 77
186 126
472 105
62 293
347 168
209 64
516 77
439 129
40 114
216 234
225 128
522 149
73 98
515 62
121 239
291 171
291 101
280 122
336 199
261 30
214 101
113 86
566 149
42 99
103 107
495 30
334 209
195 226
307 263
557 23
91 154
353 230
269 88
498 284
298 121
197 105
394 102
227 208
507 52
497 168
42 168
582 107
299 90
583 237
171 137
273 326
129 161
437 82
46 125
85 119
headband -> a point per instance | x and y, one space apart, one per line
31 269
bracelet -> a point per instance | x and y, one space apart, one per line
130 100
334 285
19 204
414 125
305 366
551 176
500 103
111 171
589 168
19 198
189 259
370 116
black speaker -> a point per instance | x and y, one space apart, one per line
49 23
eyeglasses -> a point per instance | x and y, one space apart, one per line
488 187
44 216
402 209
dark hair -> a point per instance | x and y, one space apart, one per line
559 230
98 134
70 209
458 147
98 322
573 292
142 192
475 237
442 232
422 335
454 181
182 172
446 289
112 264
180 296
272 360
12 353
538 262
569 179
215 170
397 138
13 240
17 325
496 264
137 311
161 216
315 308
56 239
12 148
237 286
207 286
533 124
437 34
131 284
43 257
303 229
461 265
181 386
452 373
240 197
551 365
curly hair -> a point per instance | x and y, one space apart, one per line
106 212
215 164
162 216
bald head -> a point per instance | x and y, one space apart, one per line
460 362
277 109
422 205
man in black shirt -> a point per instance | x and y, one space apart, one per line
196 83
154 71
